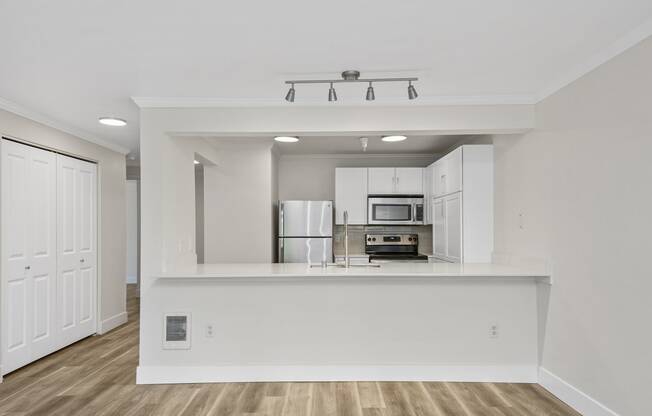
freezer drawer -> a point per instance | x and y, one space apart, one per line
305 250
305 219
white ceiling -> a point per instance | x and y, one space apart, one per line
70 62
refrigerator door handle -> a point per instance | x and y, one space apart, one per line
281 255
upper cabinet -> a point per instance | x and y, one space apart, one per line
447 174
409 181
395 181
351 195
382 180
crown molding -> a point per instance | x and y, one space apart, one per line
47 121
630 39
211 102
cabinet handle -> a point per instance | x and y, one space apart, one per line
27 267
81 261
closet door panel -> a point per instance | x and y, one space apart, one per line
43 253
87 241
16 273
68 248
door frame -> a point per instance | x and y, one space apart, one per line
98 243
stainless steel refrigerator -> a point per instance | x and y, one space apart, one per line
305 231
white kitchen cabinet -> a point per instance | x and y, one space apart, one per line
438 228
351 195
461 206
453 215
447 173
409 181
395 181
382 180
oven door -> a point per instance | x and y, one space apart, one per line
394 210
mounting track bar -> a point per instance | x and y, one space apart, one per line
334 81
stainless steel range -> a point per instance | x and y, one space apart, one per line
393 247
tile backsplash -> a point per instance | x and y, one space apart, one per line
357 232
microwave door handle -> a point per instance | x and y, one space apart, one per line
414 212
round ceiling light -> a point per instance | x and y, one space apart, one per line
286 139
112 121
393 138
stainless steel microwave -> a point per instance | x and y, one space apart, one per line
395 209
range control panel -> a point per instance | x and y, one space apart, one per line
392 239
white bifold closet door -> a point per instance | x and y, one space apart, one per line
47 302
76 247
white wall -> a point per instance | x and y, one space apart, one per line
583 180
167 190
112 191
132 231
238 195
312 177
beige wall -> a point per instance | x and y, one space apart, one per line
238 195
112 220
583 182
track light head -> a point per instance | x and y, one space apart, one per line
412 92
370 93
332 95
289 97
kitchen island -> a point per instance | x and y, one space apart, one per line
293 322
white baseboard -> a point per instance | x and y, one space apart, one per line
225 374
572 396
112 322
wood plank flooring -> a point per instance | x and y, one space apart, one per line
96 376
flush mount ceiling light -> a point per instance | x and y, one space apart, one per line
393 138
351 76
112 121
286 139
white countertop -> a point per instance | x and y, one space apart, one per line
387 270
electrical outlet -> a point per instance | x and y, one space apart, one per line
209 331
493 330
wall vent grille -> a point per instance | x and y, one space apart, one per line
176 331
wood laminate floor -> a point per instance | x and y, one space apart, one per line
97 376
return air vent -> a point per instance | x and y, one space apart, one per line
176 331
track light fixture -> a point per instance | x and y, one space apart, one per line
412 92
352 76
289 97
332 95
370 93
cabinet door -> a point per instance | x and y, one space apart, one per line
382 180
454 171
438 178
438 227
453 215
409 181
351 195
